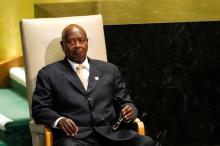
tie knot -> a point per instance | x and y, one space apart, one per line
80 66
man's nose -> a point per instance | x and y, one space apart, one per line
77 43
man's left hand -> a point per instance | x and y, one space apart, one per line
127 113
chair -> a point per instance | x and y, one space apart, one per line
40 40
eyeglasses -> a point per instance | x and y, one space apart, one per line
117 124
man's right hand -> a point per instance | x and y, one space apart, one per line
68 126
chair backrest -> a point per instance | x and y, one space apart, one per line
41 42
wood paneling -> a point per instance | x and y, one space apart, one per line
4 70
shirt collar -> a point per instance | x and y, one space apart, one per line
74 64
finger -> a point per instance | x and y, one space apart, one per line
64 129
129 115
73 125
70 127
123 110
67 128
127 110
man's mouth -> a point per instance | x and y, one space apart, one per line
76 52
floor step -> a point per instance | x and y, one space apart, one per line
17 79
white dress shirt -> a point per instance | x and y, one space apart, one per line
85 73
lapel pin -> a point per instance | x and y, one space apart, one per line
96 78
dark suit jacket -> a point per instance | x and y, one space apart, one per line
59 92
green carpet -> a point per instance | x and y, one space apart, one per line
19 88
13 105
2 143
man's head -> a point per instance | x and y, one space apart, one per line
74 43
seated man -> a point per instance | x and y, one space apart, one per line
75 98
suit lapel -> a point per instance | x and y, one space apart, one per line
70 75
94 76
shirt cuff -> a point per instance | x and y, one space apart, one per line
56 122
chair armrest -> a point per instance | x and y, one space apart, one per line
41 134
140 126
48 137
36 128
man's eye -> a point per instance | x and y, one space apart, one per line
81 41
71 42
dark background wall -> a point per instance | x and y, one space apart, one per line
172 72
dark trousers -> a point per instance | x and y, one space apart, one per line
96 139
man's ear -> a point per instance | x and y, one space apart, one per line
61 43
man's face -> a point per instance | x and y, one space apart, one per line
75 44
